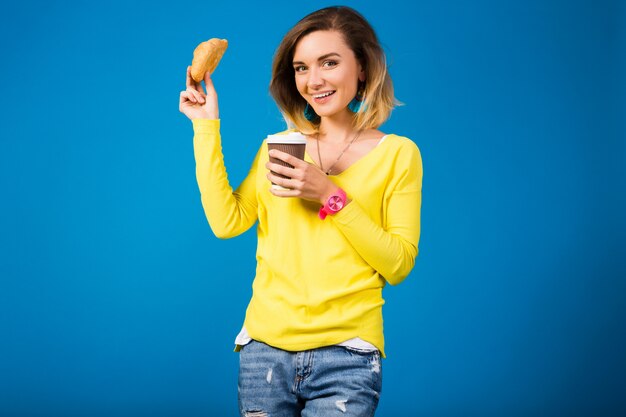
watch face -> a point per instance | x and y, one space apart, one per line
335 203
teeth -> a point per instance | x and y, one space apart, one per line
323 95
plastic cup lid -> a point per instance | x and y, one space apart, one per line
291 137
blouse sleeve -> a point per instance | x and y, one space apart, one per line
391 249
229 213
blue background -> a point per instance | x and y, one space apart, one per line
116 299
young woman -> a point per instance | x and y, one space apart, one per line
346 223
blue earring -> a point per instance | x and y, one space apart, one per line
356 105
310 114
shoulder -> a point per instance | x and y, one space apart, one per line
406 163
403 146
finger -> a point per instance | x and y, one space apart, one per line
191 83
279 193
187 96
182 102
208 83
281 169
283 182
189 80
184 96
285 192
284 156
197 95
291 182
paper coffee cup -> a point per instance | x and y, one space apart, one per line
293 143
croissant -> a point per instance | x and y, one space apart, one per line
206 56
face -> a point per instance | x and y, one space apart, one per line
326 72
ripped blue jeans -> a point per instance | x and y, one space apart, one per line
328 381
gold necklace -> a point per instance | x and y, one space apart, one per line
319 156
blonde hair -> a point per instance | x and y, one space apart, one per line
360 37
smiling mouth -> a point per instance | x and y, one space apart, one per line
322 95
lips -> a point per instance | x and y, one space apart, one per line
321 98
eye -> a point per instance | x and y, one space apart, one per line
329 63
299 68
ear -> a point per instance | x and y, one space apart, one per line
361 73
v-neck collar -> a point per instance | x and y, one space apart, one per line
385 138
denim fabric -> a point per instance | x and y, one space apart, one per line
328 381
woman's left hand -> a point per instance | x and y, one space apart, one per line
307 180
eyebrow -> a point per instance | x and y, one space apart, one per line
319 59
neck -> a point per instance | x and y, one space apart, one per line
337 129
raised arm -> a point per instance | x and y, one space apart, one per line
229 213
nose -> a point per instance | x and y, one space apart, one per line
315 80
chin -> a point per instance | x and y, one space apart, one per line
329 112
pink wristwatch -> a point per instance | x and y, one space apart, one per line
334 204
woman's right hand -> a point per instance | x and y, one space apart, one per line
195 103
